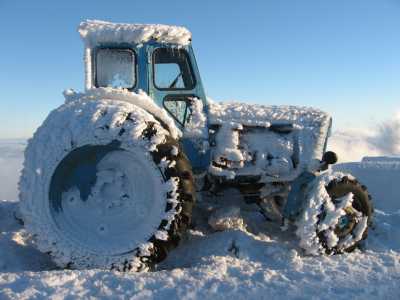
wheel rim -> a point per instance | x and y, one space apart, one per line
106 199
346 223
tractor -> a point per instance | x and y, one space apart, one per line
111 176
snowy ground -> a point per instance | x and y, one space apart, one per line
254 261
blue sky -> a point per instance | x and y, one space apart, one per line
342 56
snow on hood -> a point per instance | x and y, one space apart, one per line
95 32
311 126
263 115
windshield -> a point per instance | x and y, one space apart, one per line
172 69
115 68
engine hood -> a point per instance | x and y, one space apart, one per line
275 142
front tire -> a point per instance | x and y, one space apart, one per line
105 186
336 215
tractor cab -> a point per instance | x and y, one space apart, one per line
166 72
156 59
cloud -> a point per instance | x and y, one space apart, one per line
354 144
387 138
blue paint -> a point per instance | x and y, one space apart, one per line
78 169
200 160
297 195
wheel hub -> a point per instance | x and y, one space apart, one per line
107 199
346 223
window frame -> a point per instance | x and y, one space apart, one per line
185 98
129 49
186 54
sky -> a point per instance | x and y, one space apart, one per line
342 56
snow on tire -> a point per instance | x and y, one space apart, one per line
105 186
335 216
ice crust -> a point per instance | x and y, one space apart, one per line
96 32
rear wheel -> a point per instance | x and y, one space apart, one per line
336 216
118 195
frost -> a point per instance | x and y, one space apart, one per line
266 140
161 235
264 116
196 126
174 151
140 99
95 32
226 218
334 210
145 249
220 172
94 118
318 201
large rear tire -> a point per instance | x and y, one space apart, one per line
336 215
105 186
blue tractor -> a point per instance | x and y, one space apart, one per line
111 177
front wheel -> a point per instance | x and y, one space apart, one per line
336 215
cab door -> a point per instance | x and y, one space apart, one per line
175 85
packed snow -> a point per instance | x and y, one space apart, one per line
256 260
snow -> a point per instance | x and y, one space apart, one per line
196 126
257 261
140 99
95 32
335 211
227 217
247 140
264 116
377 175
84 122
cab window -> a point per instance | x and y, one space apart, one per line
172 69
115 68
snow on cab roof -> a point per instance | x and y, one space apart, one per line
94 32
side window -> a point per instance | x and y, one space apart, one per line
115 68
172 69
178 107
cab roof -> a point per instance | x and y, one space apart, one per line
95 32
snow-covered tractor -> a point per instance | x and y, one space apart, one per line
110 178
